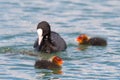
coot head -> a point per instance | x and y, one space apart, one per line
44 31
81 39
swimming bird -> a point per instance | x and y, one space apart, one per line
54 63
95 41
48 41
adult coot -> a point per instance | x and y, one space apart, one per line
48 41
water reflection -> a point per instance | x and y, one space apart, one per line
82 47
46 74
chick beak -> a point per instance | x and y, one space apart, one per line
60 62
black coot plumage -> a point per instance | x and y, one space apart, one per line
94 41
55 62
97 41
48 41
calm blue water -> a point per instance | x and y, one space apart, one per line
18 21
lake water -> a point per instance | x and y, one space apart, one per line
69 18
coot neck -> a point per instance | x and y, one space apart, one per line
47 38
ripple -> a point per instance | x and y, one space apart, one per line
69 18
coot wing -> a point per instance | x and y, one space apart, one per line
58 41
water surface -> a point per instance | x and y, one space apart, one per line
69 18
